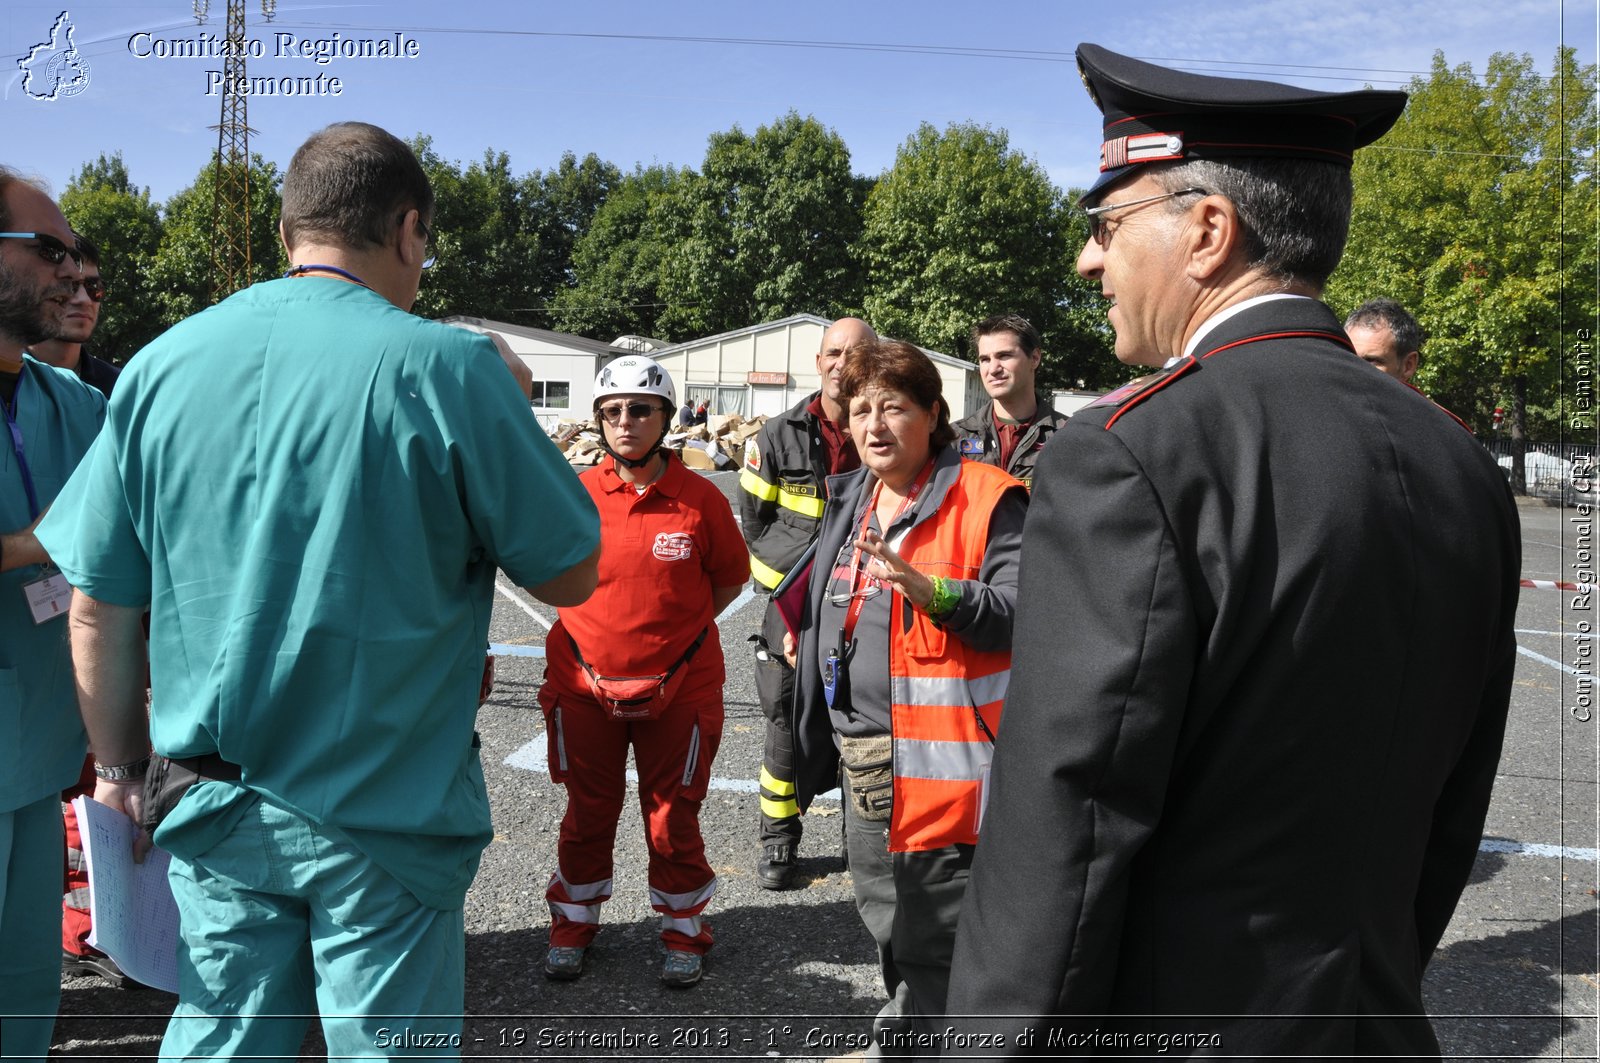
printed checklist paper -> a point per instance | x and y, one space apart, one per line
135 917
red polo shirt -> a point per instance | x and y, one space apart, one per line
661 554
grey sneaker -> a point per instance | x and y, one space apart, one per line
563 963
682 969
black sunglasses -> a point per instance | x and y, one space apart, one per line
638 411
94 288
50 249
428 247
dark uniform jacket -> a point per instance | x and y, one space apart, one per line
1263 656
980 442
98 373
782 484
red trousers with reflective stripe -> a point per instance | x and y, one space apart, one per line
75 924
673 753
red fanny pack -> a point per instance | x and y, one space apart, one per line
637 697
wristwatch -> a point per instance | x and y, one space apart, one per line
122 772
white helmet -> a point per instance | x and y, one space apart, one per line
633 374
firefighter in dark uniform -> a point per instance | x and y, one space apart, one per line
786 467
1013 426
1261 666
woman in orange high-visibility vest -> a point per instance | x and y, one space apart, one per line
903 655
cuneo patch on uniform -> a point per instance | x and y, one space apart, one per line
752 455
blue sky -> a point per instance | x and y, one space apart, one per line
643 82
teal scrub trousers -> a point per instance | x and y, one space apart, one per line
283 918
31 841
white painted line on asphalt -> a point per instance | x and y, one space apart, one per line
533 757
1496 845
1553 663
737 604
524 606
1563 634
502 649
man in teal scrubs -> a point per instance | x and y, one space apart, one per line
51 418
312 489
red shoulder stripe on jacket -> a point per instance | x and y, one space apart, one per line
1336 337
1151 386
1447 412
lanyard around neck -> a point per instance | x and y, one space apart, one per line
300 271
857 600
10 409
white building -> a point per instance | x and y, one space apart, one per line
756 370
563 365
765 369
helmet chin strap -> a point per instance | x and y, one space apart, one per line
632 463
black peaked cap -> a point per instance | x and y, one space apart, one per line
1153 114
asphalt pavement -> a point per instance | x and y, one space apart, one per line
793 975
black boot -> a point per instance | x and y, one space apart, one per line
776 869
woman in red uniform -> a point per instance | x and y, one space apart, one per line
640 664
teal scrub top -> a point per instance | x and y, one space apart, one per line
312 489
41 733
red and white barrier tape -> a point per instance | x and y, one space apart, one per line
1557 585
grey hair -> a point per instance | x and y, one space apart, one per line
1386 313
1295 213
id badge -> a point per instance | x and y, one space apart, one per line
48 596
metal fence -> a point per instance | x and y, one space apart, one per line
1565 472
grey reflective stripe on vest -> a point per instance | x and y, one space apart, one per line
915 758
950 690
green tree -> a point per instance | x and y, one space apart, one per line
763 231
485 242
103 203
962 227
1477 212
180 275
561 205
617 261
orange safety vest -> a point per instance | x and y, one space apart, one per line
942 692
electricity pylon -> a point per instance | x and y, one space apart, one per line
230 201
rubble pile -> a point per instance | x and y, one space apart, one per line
717 444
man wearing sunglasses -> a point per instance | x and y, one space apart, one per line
1264 641
64 349
51 417
312 489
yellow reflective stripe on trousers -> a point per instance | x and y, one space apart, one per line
775 786
952 761
779 809
782 803
951 690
